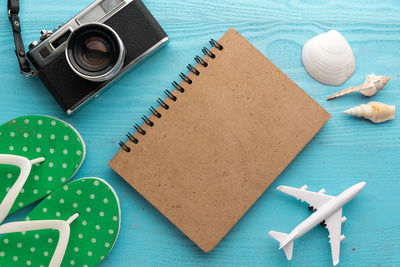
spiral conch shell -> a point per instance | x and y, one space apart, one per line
373 111
373 83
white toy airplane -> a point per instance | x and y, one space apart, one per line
329 209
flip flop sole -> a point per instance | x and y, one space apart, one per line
92 234
39 136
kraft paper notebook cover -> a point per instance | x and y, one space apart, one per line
224 140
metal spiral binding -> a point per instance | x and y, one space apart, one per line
170 95
193 69
147 121
155 112
162 104
124 146
132 138
139 129
185 78
201 61
216 44
178 87
207 52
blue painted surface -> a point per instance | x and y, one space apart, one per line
346 151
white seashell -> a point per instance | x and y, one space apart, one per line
374 111
373 83
328 58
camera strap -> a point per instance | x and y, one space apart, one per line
13 15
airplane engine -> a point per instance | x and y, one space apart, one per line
304 187
344 219
322 191
342 238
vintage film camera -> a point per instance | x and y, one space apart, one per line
82 58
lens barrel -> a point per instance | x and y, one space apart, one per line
95 52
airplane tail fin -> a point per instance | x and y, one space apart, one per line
285 242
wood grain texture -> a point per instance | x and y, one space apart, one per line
346 151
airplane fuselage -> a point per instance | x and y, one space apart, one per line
326 211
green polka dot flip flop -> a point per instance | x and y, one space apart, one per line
76 225
37 155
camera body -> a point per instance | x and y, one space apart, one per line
132 32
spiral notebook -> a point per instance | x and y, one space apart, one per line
218 140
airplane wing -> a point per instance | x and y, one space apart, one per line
316 200
334 225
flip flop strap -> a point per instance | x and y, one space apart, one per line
63 228
25 166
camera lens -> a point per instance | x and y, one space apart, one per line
95 52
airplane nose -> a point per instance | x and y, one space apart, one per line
361 185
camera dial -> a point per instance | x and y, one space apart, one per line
45 34
33 44
95 52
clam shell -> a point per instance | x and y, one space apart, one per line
328 58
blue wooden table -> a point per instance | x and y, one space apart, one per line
347 150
